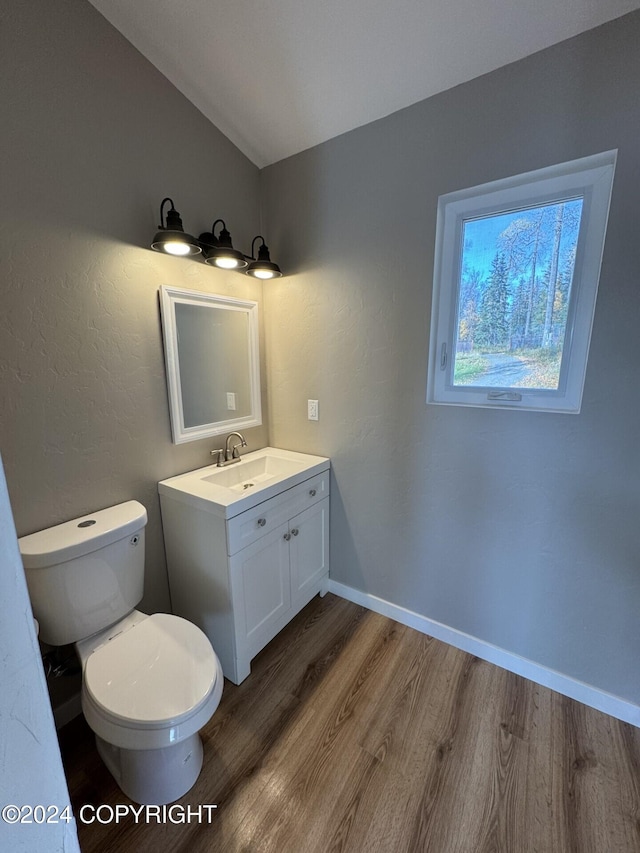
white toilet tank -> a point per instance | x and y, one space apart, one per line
85 574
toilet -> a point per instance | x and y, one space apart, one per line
149 683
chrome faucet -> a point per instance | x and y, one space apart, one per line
234 455
229 454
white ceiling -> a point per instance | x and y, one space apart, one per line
279 76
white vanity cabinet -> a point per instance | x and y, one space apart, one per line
243 578
275 576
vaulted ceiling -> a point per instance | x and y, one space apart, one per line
279 76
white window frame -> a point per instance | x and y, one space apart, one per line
590 178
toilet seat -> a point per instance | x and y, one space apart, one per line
152 685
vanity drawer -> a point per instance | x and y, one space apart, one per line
265 517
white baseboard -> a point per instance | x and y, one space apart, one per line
585 693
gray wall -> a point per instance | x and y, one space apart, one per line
93 137
520 529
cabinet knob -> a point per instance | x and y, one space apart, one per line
295 531
312 492
262 522
287 536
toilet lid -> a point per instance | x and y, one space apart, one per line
156 672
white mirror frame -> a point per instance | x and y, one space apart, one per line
169 297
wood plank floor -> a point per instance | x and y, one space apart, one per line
354 733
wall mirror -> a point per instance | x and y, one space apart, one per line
212 359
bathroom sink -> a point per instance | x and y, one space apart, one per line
253 473
235 488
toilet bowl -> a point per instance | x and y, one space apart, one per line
147 690
150 682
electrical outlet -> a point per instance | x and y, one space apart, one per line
312 410
231 400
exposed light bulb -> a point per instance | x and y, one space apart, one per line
176 248
263 274
226 263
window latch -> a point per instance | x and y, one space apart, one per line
504 395
443 356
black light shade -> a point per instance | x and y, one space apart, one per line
263 267
218 251
171 237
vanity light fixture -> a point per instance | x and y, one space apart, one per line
218 251
263 267
171 237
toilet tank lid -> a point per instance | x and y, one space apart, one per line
81 535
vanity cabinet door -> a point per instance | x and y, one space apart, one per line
261 572
309 548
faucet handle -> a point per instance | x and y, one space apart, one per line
219 454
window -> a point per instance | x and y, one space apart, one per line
515 282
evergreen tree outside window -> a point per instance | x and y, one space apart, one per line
515 284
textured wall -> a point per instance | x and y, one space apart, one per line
93 138
518 528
